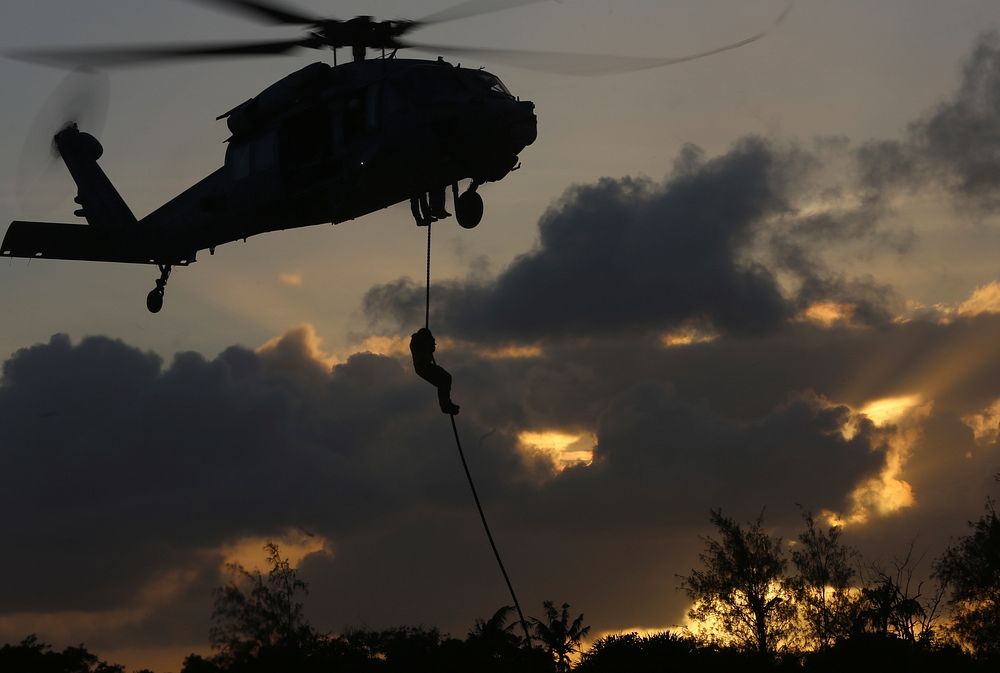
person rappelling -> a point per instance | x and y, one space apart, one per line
422 347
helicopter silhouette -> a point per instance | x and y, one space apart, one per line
325 144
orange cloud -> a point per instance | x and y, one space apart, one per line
302 338
827 313
295 545
513 352
985 425
392 346
564 449
984 299
902 418
687 336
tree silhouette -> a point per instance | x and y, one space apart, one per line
971 570
632 653
260 617
33 656
894 603
559 636
741 586
822 584
493 641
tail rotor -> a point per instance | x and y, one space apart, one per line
80 99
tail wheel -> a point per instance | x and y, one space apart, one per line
469 209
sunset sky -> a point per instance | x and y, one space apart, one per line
764 279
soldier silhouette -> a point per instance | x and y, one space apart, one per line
422 347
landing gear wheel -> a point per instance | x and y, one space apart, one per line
154 300
469 210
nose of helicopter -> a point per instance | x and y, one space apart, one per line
524 130
496 131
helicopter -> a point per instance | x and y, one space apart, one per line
325 144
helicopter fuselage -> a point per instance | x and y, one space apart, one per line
330 144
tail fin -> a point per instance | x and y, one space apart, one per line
100 203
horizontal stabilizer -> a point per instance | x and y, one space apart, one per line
53 240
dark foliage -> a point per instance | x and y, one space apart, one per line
742 586
33 656
876 652
971 570
493 643
258 619
559 634
817 620
822 583
662 652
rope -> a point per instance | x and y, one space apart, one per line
427 310
489 535
468 474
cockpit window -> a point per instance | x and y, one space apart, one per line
493 83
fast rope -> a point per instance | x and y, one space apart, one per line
468 474
489 535
427 310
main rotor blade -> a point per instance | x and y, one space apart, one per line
128 56
270 11
471 8
568 63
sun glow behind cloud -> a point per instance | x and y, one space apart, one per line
891 410
564 448
901 418
295 545
512 352
984 299
399 346
827 313
687 336
985 425
303 336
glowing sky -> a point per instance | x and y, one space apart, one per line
757 280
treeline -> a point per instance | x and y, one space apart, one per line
759 604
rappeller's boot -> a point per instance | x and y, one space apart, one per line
437 205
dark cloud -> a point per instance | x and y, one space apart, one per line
118 472
632 256
126 467
672 457
625 255
956 146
